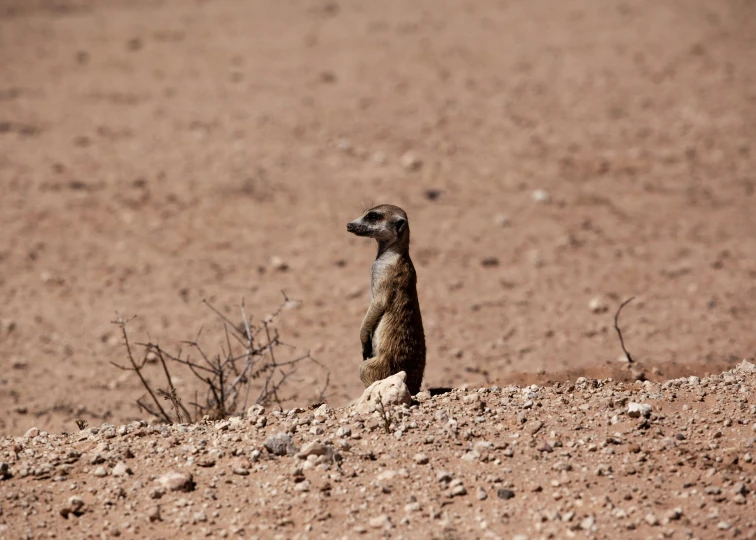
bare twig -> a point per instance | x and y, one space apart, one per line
138 368
617 328
246 323
176 405
322 392
219 314
172 396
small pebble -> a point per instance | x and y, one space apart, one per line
597 305
153 514
636 410
121 469
540 196
176 481
380 522
278 264
421 459
280 445
410 161
458 490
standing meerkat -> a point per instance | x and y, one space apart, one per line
392 332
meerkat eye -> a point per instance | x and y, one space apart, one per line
372 216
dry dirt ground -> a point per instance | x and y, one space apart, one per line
596 458
555 158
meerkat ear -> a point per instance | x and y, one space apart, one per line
400 225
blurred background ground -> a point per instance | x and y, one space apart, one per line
554 158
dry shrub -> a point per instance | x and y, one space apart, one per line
246 365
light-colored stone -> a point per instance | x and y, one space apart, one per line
636 410
317 449
153 514
410 161
423 395
392 390
75 506
324 410
458 490
75 503
597 305
177 481
745 367
380 522
421 459
121 469
540 196
277 263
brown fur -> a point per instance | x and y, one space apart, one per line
392 334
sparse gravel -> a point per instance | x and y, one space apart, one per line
594 456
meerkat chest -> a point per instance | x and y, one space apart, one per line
379 272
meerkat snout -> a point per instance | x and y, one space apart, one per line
392 331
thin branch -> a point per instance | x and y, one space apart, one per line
246 324
222 316
617 328
190 364
322 391
138 369
173 395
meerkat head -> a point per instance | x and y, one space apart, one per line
386 223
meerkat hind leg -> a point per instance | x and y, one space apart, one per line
373 369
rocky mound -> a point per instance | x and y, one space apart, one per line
594 457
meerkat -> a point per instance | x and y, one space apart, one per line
392 334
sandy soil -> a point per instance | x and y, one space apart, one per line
555 158
595 459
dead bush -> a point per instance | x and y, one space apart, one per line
247 364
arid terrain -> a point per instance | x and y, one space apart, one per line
595 458
554 158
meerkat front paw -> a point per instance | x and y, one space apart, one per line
367 348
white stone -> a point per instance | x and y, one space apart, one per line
597 305
410 161
745 367
635 410
121 469
541 196
393 392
